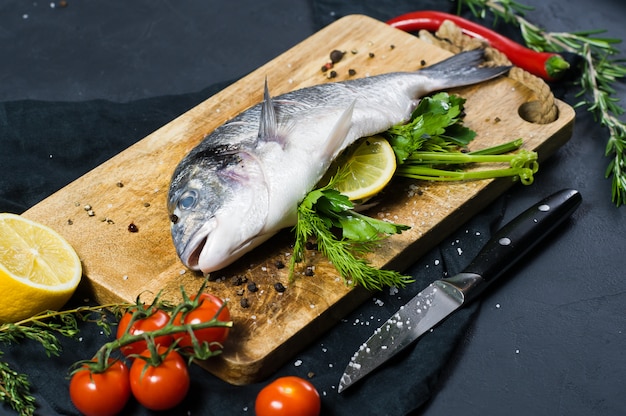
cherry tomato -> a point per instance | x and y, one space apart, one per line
288 396
101 394
163 386
207 310
157 320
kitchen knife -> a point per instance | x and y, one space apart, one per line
442 297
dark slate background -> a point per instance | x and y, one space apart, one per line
80 83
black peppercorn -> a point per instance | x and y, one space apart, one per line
336 56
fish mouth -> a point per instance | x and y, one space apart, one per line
198 254
203 250
193 258
192 251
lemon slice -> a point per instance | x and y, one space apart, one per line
370 163
39 270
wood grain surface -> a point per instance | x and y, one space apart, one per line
131 188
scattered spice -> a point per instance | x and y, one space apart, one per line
146 204
310 245
279 264
336 56
332 74
371 54
252 287
497 119
245 303
279 287
351 72
309 271
133 228
392 46
310 374
238 280
240 292
327 66
70 221
423 62
119 185
89 210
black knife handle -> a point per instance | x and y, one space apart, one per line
515 239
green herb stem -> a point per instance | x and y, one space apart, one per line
499 149
421 166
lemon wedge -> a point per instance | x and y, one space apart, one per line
39 270
370 164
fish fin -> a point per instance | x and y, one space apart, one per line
268 130
337 136
463 69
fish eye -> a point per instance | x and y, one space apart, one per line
188 200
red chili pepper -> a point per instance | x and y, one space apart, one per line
547 65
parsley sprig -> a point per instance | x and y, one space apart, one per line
430 147
325 210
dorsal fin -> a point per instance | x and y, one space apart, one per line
268 130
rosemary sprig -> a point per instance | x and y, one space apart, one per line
15 388
599 71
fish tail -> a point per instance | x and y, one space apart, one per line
463 69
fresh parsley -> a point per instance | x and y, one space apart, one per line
325 211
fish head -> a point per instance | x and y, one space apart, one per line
218 207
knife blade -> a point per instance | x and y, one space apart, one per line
444 296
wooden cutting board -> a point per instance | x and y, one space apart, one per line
131 188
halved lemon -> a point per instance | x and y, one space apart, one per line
370 163
39 270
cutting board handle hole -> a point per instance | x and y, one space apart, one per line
534 112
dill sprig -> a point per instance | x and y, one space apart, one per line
600 70
325 210
44 328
